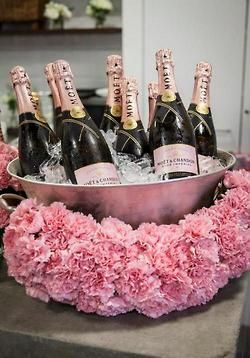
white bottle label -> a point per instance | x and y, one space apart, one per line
97 174
175 158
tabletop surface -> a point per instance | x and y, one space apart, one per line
30 328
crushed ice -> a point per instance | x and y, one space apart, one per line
130 168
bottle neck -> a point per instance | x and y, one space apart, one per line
151 110
68 94
130 106
166 79
201 92
55 93
25 100
114 90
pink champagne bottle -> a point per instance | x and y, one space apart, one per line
86 156
57 112
200 113
35 135
113 108
173 140
131 136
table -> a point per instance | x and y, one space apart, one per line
33 329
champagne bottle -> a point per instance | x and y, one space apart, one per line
35 135
86 155
200 113
131 136
173 140
152 97
113 108
57 113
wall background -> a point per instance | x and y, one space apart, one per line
196 30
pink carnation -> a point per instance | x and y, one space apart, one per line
109 268
240 178
7 154
4 218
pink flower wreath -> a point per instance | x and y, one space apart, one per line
109 268
7 154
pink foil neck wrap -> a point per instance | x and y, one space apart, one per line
153 90
129 99
164 56
203 69
61 69
115 74
202 79
48 70
22 87
129 84
114 64
165 68
152 97
19 75
67 91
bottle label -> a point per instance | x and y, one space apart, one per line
175 158
97 174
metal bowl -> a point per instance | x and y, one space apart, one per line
160 202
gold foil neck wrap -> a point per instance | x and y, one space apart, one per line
61 69
153 90
48 70
164 56
19 75
129 84
114 64
203 69
130 123
77 112
116 110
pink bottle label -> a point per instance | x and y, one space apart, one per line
97 174
175 158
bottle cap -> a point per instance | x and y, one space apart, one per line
114 64
164 56
61 69
203 69
19 75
